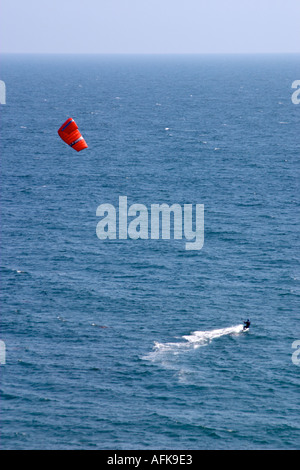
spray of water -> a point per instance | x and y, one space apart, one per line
193 341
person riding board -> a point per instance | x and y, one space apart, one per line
247 324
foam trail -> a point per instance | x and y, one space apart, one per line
204 337
192 341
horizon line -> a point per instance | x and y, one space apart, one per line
148 53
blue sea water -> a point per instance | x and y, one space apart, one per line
137 344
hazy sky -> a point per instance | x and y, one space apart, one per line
150 26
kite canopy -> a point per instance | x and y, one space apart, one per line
70 134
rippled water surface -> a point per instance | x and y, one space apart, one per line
138 344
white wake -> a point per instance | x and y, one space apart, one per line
204 337
192 341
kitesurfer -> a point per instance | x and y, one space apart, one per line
247 324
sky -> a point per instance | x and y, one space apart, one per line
150 26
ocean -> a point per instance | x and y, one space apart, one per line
138 343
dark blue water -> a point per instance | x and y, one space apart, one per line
101 349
